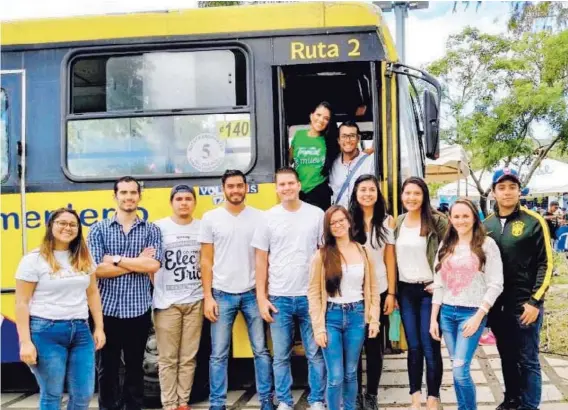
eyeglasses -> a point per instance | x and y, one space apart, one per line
65 224
338 222
349 136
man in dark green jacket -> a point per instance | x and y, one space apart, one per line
516 318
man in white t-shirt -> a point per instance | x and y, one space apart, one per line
349 165
228 274
285 242
178 300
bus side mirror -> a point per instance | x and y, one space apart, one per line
431 125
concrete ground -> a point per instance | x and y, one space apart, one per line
393 393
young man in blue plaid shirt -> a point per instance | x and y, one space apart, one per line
127 250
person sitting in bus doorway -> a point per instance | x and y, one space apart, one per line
349 164
55 289
285 240
128 251
312 152
516 317
178 300
228 275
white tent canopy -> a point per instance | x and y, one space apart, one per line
550 177
450 166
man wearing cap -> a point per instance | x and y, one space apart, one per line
516 317
228 271
178 300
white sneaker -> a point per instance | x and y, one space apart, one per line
283 406
318 405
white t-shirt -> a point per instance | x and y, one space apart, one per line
411 256
378 255
351 286
58 295
340 171
233 256
291 239
179 279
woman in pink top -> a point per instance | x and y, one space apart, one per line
468 279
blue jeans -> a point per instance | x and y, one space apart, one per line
282 331
65 349
462 350
345 326
415 309
518 347
221 333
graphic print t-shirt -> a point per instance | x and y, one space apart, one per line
179 279
309 157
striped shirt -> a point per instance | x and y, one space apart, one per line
128 295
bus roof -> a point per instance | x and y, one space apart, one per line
203 21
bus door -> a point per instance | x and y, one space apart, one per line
12 132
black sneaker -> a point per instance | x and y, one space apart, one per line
359 403
509 404
371 402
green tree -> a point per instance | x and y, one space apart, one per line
497 88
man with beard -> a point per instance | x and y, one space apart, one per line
285 241
349 164
228 275
127 250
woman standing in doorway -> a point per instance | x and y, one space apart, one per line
55 288
418 234
343 296
373 227
312 152
468 279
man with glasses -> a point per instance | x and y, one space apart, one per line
350 164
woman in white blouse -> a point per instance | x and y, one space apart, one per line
468 280
373 227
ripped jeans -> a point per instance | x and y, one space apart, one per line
462 350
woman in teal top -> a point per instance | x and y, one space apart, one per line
312 151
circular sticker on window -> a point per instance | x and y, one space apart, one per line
206 152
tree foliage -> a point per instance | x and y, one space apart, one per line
497 88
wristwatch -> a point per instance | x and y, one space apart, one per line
116 259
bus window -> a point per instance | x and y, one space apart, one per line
4 134
410 149
147 144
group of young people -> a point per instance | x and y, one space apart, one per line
338 274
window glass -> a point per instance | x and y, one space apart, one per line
4 159
166 145
410 155
159 81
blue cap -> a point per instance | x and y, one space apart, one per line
506 173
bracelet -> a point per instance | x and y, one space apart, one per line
391 294
484 309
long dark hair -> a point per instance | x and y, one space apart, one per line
330 134
81 259
331 256
451 238
378 231
427 224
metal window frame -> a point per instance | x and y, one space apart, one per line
66 115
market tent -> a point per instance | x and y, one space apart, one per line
450 166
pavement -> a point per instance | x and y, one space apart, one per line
393 391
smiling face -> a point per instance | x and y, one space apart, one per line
462 219
287 187
183 204
412 197
320 118
235 190
339 225
348 139
367 194
65 228
127 196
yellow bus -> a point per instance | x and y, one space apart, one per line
181 96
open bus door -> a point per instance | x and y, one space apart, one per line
14 223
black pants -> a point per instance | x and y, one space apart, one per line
320 196
126 336
374 351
